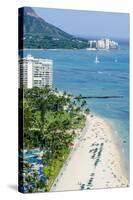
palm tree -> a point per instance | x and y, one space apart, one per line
83 104
87 110
78 98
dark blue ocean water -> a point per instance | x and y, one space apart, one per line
76 72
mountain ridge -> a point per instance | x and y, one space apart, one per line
35 32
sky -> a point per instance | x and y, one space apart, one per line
88 23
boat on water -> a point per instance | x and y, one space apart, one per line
97 60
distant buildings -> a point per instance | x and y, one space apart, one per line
35 72
93 44
104 44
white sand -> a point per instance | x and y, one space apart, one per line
80 169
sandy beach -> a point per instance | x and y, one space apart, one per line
95 160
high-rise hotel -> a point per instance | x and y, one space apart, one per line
104 44
34 72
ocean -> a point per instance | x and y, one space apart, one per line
76 72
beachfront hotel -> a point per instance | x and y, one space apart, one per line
105 44
34 72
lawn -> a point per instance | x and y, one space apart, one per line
54 167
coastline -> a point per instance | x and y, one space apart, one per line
95 160
118 141
58 49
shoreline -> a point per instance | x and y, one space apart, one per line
53 49
119 144
95 160
74 49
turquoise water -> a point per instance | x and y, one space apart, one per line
76 72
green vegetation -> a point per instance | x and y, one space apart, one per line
36 33
39 41
50 121
53 169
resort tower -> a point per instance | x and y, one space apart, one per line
34 72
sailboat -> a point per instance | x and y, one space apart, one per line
96 60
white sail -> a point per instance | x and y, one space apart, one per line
96 60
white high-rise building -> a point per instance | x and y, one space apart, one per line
106 44
35 72
92 44
100 44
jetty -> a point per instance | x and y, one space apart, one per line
97 97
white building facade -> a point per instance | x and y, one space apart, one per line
35 72
104 44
